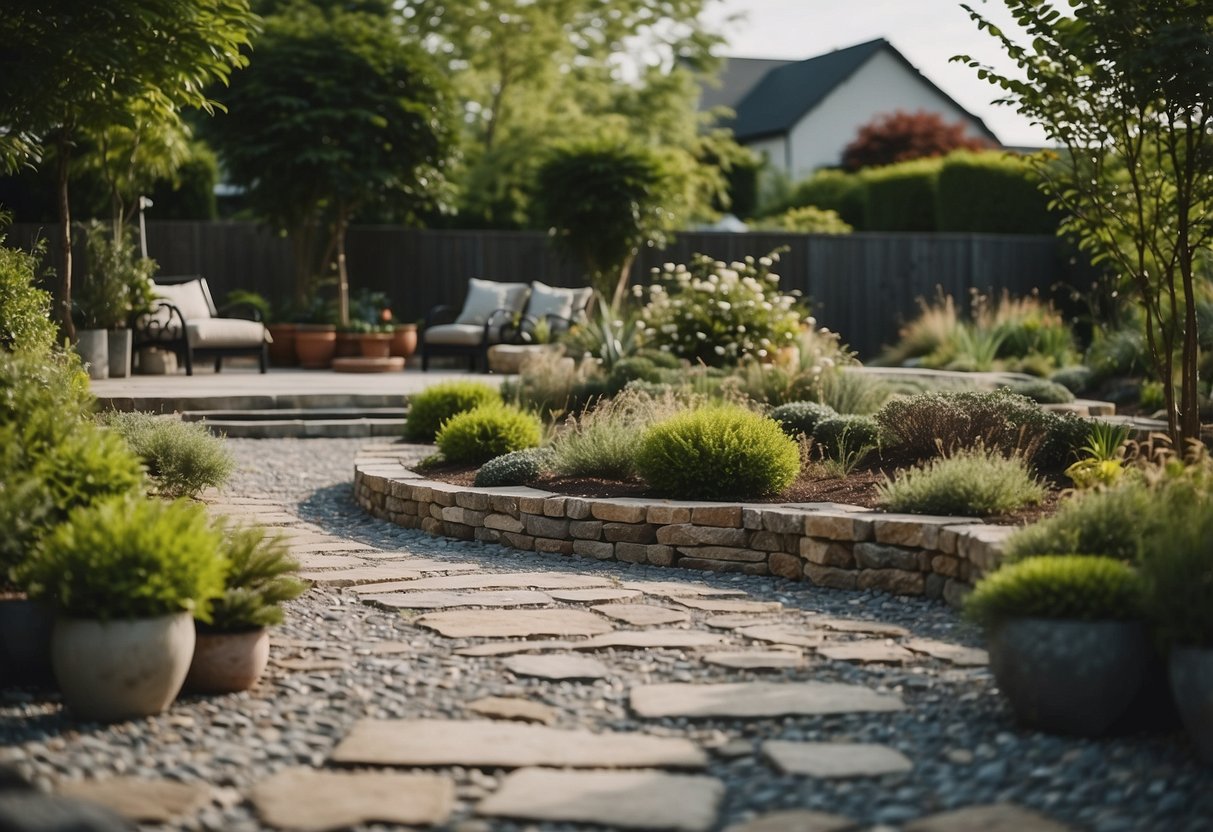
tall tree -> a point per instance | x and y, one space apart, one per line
336 115
1125 87
76 65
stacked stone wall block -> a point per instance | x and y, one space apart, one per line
504 504
629 533
619 512
896 581
594 549
554 546
880 556
530 504
504 523
724 516
660 555
541 526
723 553
631 552
575 508
431 525
786 566
665 515
848 526
519 541
709 565
554 506
832 553
475 500
487 535
586 529
766 541
832 577
934 586
783 521
686 534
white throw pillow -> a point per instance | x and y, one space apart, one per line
486 296
553 300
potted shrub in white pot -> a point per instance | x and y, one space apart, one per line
117 285
233 644
1067 644
126 577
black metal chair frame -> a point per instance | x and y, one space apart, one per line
514 328
159 332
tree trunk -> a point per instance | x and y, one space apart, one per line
343 278
621 285
63 286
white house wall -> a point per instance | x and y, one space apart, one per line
882 85
774 150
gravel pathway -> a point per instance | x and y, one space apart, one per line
331 670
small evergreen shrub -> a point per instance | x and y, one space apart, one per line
182 458
846 432
717 452
975 483
258 580
1110 522
129 557
1177 565
604 442
807 219
854 392
1076 379
515 468
25 311
478 435
798 418
1042 391
1071 587
633 368
833 190
434 405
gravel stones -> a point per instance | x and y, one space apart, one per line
514 623
758 699
316 801
832 759
138 799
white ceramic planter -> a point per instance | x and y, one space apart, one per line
1192 684
114 670
228 662
93 346
119 346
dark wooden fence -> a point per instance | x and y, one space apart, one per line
861 285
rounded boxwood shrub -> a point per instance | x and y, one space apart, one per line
852 430
974 483
490 430
1110 521
1041 391
717 453
1076 379
182 458
515 468
802 417
1072 587
434 405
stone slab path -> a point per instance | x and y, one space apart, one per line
466 687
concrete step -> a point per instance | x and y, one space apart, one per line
279 414
354 427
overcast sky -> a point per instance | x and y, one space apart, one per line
927 32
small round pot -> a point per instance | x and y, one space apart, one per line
114 670
25 642
1068 677
347 344
282 347
404 341
1192 683
228 662
315 345
375 344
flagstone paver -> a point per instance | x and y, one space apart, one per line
317 801
510 648
489 744
737 620
954 653
756 659
678 589
1000 817
507 623
557 667
758 699
850 625
617 640
139 799
871 651
796 820
713 605
831 759
642 615
515 708
362 575
594 596
791 635
313 561
627 799
441 599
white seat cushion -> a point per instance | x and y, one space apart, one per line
547 300
220 333
188 297
487 296
463 335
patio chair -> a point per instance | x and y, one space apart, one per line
185 321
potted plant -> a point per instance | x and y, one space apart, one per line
371 320
117 285
126 577
1067 644
233 644
404 340
316 335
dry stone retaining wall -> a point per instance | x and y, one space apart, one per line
828 544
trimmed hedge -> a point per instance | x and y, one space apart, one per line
992 192
833 190
901 197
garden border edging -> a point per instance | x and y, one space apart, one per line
827 544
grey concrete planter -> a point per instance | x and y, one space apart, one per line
1192 683
1068 677
93 347
25 642
119 346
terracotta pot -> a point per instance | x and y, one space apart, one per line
25 642
347 344
282 348
228 662
375 344
314 346
404 341
114 670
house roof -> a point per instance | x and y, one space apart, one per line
783 96
737 77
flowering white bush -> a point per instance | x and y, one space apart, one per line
718 313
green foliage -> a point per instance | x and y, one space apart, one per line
128 557
901 197
430 408
24 309
833 190
798 418
854 392
182 458
976 483
515 468
717 453
488 431
1106 441
930 333
551 385
1151 395
1041 391
807 219
1076 379
607 336
991 193
633 368
1118 352
1069 587
1177 566
116 283
1111 521
252 300
258 579
848 431
604 442
974 348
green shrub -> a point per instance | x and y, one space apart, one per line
1177 565
798 418
1069 587
258 579
717 452
807 219
992 192
661 360
478 435
604 442
551 385
854 392
1119 352
833 190
974 483
633 368
515 468
434 405
116 282
1076 379
901 197
25 311
848 431
1042 391
182 458
129 557
1108 522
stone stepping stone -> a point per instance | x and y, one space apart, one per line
737 620
309 665
953 653
510 648
642 615
557 667
362 575
867 651
513 708
998 817
138 799
595 596
319 561
622 799
835 759
758 699
486 580
712 605
329 546
783 634
796 820
488 744
617 640
851 625
513 623
316 801
440 599
756 660
677 589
